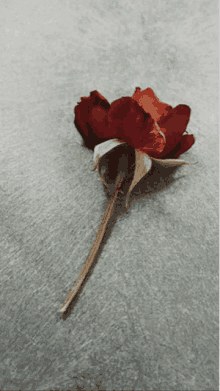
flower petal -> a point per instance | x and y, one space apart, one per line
134 126
85 114
154 142
81 117
142 167
150 103
173 126
187 140
97 99
98 120
103 148
170 162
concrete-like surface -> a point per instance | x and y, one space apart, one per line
147 318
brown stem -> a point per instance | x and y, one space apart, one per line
95 248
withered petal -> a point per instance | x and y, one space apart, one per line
98 100
150 103
130 121
83 115
98 120
173 126
187 140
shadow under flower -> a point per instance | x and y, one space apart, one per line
156 180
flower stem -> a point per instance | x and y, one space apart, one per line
95 247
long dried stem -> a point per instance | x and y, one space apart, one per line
95 248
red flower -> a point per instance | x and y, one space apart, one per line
142 121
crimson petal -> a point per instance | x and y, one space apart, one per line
81 112
97 99
173 126
130 122
187 140
150 103
98 120
86 118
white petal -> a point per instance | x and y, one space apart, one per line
142 167
170 162
103 148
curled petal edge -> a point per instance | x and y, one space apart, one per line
170 162
103 148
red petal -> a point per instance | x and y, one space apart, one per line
187 140
150 103
134 126
173 126
130 122
98 119
97 99
82 115
154 143
85 107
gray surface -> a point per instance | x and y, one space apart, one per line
147 319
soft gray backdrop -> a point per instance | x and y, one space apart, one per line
147 318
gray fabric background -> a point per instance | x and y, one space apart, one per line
147 318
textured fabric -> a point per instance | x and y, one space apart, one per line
147 318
